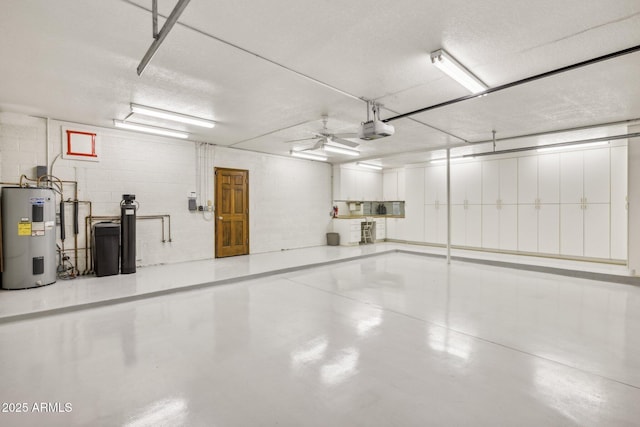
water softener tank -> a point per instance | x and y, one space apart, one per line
28 237
128 209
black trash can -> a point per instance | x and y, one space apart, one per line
106 248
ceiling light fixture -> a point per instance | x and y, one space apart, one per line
150 129
308 156
340 150
170 115
369 166
448 64
570 146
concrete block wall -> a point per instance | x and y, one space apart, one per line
290 199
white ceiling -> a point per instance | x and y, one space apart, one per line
257 67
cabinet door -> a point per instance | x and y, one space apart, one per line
430 223
414 221
441 214
596 230
473 232
458 183
549 229
414 192
527 179
401 184
390 225
571 229
490 182
458 225
390 185
435 185
571 177
509 227
380 229
597 175
619 202
490 227
527 228
549 178
509 181
474 184
349 184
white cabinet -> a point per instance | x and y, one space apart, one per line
356 184
584 176
619 202
390 185
549 178
435 223
414 204
499 209
549 228
539 228
381 232
395 229
538 208
500 227
466 225
393 185
435 204
402 183
466 209
466 181
500 181
596 230
435 185
349 231
585 196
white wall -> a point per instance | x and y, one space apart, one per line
290 199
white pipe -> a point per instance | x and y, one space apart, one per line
448 206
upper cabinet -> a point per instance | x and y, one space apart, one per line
585 176
500 181
466 183
539 179
350 183
393 185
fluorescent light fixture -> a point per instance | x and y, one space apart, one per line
340 150
444 160
169 115
150 129
457 71
369 166
570 146
308 156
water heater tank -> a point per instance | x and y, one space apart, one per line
28 237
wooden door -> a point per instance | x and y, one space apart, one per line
232 212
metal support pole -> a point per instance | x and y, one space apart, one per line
168 25
448 206
154 18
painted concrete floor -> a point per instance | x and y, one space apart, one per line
389 340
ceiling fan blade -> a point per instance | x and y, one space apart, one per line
301 139
345 135
344 142
319 144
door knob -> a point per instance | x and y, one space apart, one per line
219 217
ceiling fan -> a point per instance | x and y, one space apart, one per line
327 141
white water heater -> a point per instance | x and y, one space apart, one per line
28 237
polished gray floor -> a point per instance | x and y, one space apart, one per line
390 340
